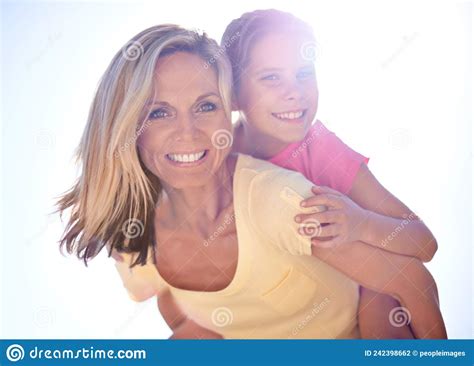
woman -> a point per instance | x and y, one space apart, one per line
215 230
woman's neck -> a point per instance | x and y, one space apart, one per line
252 142
194 204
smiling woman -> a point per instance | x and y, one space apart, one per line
116 191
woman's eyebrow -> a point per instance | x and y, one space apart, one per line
157 102
204 96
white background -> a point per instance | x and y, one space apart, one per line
395 84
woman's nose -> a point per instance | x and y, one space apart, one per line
186 128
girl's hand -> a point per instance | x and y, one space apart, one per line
343 222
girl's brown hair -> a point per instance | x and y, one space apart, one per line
242 33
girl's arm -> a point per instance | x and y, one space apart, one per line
370 213
404 278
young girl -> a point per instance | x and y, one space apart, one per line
276 93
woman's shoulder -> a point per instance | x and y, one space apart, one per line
271 197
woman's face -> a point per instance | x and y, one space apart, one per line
182 143
278 93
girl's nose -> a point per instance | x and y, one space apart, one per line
292 91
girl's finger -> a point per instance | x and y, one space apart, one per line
325 244
324 189
325 217
327 199
328 230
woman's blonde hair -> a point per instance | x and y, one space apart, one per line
112 202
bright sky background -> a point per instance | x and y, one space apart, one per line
395 81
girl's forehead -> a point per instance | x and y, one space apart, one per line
278 50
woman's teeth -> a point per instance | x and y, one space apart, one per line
289 115
186 158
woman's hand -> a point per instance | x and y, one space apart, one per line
343 222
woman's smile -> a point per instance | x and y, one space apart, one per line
190 159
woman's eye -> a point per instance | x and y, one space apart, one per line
158 113
207 107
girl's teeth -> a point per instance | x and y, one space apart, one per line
290 115
186 158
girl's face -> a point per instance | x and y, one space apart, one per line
182 141
278 93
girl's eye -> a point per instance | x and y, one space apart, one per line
207 107
304 74
158 114
270 77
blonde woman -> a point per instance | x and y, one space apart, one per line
211 232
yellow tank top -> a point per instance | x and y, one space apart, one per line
279 290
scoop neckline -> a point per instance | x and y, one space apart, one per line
240 248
